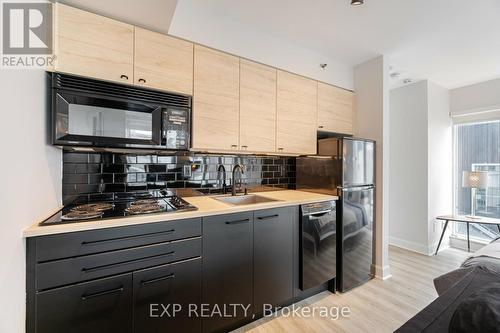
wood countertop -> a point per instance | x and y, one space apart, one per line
207 206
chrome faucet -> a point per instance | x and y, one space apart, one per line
221 171
240 168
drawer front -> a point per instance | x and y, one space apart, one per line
100 306
102 240
177 285
67 271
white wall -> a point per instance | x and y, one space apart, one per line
476 97
440 160
195 21
421 165
372 122
31 182
408 163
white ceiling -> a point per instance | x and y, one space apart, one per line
151 14
450 42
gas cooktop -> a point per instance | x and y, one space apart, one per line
123 205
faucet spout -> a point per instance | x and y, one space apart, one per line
240 169
221 173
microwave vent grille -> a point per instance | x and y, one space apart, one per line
121 91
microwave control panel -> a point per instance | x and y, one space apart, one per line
176 128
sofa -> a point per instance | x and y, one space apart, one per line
469 297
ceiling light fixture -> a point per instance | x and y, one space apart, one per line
357 2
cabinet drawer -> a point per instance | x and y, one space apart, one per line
103 240
100 306
67 271
177 284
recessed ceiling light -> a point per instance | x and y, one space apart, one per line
395 75
406 81
357 2
323 66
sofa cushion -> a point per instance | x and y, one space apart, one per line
436 316
479 312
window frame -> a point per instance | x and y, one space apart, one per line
470 120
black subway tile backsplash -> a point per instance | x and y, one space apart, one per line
100 176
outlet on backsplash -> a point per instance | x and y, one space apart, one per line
98 176
186 170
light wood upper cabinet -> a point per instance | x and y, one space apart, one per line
92 45
216 100
163 62
297 114
335 109
257 107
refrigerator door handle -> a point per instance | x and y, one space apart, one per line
362 187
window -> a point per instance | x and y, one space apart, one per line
477 148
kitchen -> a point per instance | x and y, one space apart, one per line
173 153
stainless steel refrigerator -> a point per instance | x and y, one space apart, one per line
346 167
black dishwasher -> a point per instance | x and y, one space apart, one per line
318 244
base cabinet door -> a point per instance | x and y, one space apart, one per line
164 295
100 306
273 258
227 270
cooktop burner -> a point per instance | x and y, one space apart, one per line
123 205
93 207
143 209
81 215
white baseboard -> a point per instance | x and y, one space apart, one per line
417 247
382 273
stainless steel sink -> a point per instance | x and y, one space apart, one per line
249 199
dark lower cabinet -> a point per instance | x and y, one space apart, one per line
273 258
163 296
227 269
212 283
100 306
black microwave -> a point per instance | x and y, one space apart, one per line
94 113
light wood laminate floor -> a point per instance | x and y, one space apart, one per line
377 306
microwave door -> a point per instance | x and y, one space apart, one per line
105 122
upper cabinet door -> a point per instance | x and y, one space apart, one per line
257 107
335 109
297 114
163 62
92 45
216 100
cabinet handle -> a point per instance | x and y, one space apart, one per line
244 147
280 149
234 146
98 268
321 126
268 217
123 76
142 80
110 240
238 221
102 293
163 278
